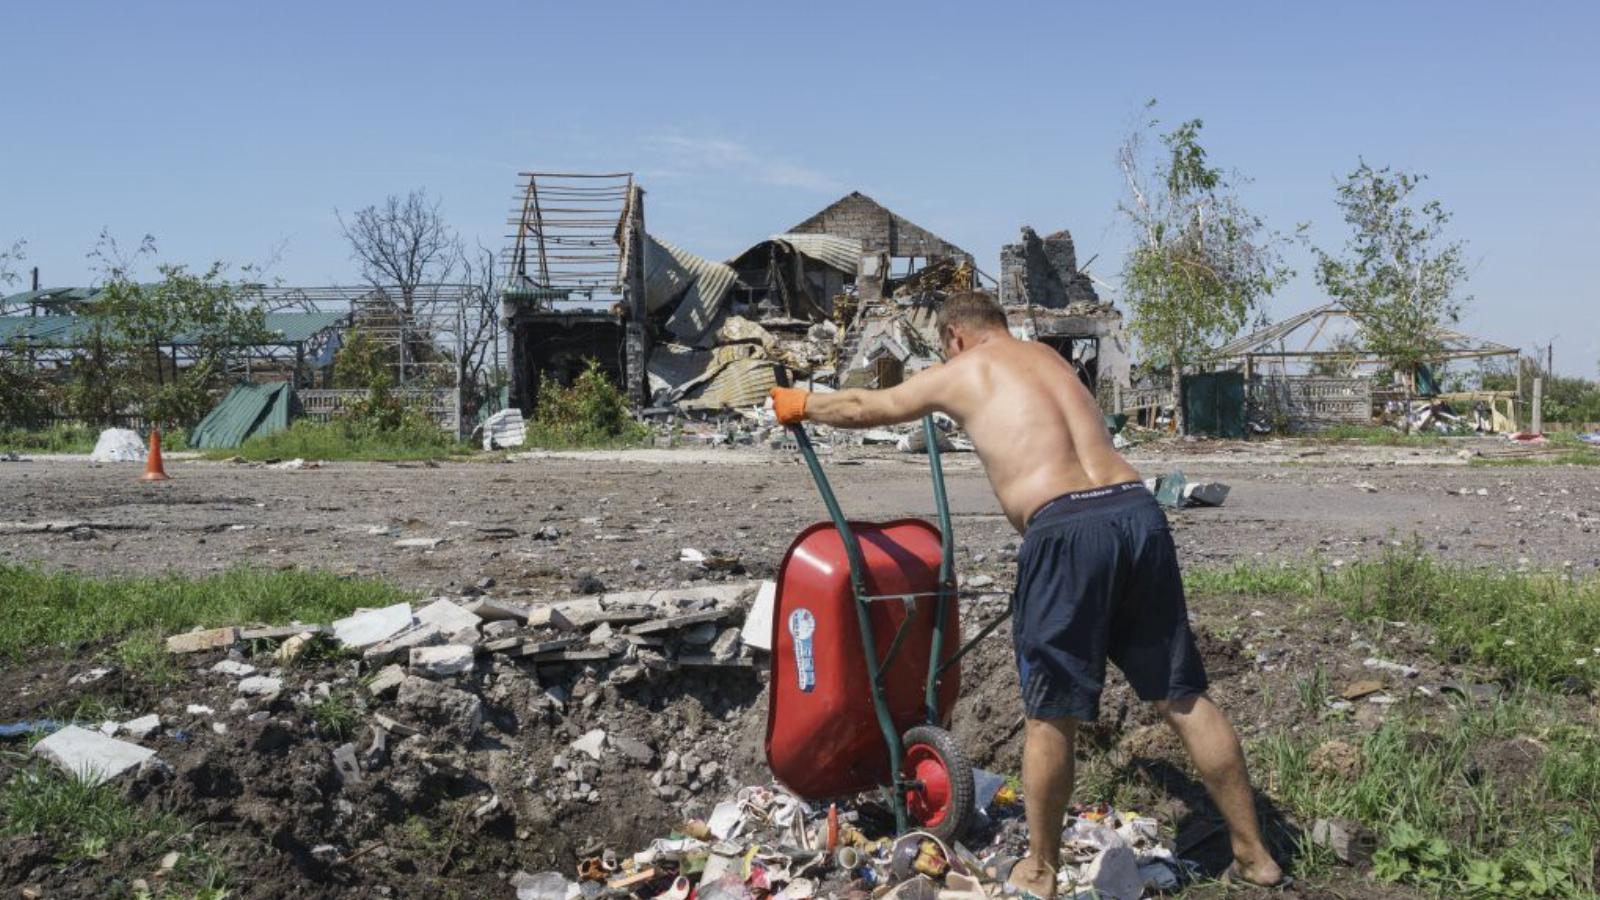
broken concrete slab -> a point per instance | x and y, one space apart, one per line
367 628
386 681
91 756
1205 493
443 661
549 617
531 648
634 750
724 594
490 610
757 630
447 616
278 632
197 641
260 685
676 622
706 660
571 656
402 644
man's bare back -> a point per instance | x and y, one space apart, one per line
1036 427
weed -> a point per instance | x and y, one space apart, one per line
336 717
1538 628
1313 691
80 820
413 438
64 611
143 656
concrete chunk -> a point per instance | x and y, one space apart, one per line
442 706
260 685
676 622
401 645
277 632
90 755
368 628
491 610
447 616
591 743
142 727
196 641
233 667
440 662
419 543
386 681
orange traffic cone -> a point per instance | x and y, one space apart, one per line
153 469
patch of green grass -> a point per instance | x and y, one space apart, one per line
1442 821
1381 436
347 439
47 611
1541 629
80 820
336 717
72 437
143 656
1584 457
544 437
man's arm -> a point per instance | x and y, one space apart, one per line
912 399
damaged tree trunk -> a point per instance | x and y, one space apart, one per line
1177 398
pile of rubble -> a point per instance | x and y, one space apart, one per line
765 842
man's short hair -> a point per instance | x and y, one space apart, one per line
971 309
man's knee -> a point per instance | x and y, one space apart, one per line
1171 710
1065 728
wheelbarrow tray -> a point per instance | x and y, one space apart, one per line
823 736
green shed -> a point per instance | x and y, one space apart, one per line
248 410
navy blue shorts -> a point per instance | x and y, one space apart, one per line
1097 579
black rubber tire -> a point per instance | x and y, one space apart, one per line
962 811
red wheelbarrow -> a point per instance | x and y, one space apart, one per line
863 678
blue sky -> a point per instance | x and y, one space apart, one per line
227 130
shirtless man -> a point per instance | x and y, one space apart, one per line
1097 573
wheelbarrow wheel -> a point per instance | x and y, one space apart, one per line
942 803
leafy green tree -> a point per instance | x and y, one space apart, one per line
137 332
1201 263
1397 274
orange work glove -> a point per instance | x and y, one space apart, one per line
789 404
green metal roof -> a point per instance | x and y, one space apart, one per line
248 410
72 331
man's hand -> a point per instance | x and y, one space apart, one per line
789 404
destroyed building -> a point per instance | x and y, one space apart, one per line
846 298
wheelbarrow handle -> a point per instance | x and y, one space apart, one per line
852 549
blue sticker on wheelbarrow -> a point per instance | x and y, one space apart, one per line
802 625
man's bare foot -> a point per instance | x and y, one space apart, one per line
1033 876
1264 873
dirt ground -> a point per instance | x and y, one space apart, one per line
538 523
625 517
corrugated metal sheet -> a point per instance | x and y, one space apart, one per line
836 252
42 331
294 327
678 369
741 383
248 410
671 273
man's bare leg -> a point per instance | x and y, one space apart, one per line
1214 747
1046 786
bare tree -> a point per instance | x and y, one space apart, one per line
403 242
9 259
479 321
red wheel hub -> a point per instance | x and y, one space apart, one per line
930 803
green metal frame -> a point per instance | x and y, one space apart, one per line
858 584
